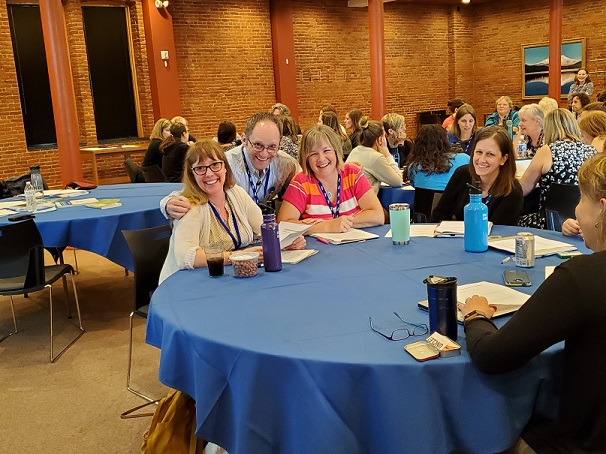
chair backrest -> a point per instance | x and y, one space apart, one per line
22 254
560 204
153 174
149 248
425 202
134 171
16 185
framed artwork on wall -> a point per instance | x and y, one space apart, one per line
535 67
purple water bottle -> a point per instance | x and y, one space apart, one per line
272 257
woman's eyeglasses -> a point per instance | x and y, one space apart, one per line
201 170
402 333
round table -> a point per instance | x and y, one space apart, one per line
286 362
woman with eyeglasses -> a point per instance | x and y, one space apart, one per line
221 211
333 196
569 306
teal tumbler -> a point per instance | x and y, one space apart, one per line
399 217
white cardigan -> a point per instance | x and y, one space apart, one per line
192 231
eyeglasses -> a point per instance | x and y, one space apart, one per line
402 333
259 147
201 170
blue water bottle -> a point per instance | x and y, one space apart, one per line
475 215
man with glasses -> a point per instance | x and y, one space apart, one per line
258 165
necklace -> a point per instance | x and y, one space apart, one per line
329 194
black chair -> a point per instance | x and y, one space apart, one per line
153 174
134 171
22 271
560 204
425 201
149 248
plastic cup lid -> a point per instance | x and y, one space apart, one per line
243 256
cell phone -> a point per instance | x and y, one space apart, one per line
516 278
21 217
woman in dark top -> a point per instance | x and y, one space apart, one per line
153 155
352 126
331 120
463 133
493 166
174 148
569 306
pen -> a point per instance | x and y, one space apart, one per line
322 240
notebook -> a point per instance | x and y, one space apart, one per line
346 237
542 246
454 229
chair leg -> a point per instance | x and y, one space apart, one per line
64 280
130 362
76 262
14 322
56 357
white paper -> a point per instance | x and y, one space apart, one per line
293 257
549 270
419 230
4 212
12 203
69 203
454 228
347 237
542 246
64 192
290 231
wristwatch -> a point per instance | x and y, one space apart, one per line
473 315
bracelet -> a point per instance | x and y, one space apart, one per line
473 315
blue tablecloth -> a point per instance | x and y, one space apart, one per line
99 231
286 362
387 196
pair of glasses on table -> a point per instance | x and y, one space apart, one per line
399 334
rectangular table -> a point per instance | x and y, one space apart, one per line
92 153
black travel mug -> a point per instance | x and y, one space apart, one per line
442 302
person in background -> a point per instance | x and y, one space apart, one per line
593 129
493 167
452 108
600 106
153 155
258 165
330 119
352 126
395 131
505 111
279 109
548 104
582 84
530 128
579 101
556 162
179 119
569 306
432 163
174 148
333 196
290 138
602 96
377 162
227 136
462 134
330 108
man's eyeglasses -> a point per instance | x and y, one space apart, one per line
201 170
402 333
259 147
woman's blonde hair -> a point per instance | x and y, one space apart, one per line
392 121
593 122
464 110
505 98
534 110
560 124
548 104
592 183
160 126
198 152
312 137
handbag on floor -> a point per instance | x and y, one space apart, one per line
173 426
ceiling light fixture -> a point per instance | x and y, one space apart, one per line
161 4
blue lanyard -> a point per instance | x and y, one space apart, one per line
488 199
337 208
253 186
468 143
237 243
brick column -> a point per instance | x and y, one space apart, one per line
556 8
62 90
377 58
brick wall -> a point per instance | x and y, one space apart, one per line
14 157
224 59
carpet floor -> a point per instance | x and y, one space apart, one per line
74 405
